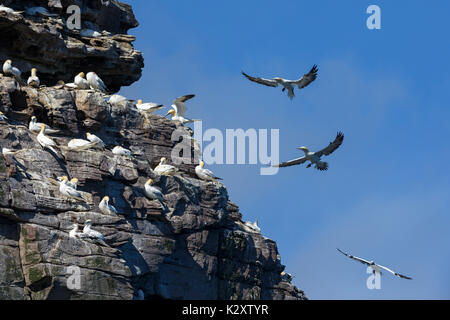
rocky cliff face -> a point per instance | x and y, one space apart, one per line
196 248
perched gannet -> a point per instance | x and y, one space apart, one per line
45 141
68 191
286 276
116 98
9 10
253 226
287 84
80 144
95 82
33 80
121 151
164 169
7 151
3 117
81 82
35 126
205 174
94 138
89 33
8 69
35 11
106 208
181 119
74 233
375 267
148 106
92 233
178 111
153 193
73 183
314 157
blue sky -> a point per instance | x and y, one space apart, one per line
386 195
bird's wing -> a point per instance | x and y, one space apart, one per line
332 146
266 82
394 273
180 106
307 78
291 162
353 257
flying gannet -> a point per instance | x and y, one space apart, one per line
153 192
205 174
94 138
66 190
287 84
90 232
45 141
9 69
35 126
80 145
121 151
9 10
81 82
148 106
95 82
41 11
33 80
178 111
375 267
3 117
314 157
106 208
164 169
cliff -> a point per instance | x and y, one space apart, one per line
196 248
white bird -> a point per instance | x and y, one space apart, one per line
74 233
9 10
253 226
81 82
34 11
95 82
375 267
66 190
7 151
9 69
287 84
80 144
116 98
286 276
181 119
178 111
153 192
164 169
72 183
89 33
121 151
33 80
94 138
3 117
45 141
90 232
35 126
205 174
314 157
148 106
106 208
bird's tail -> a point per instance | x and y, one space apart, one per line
322 166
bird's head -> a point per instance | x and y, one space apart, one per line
33 71
8 61
372 262
278 79
88 222
88 135
42 127
106 198
82 75
305 149
171 112
163 160
74 180
202 164
139 101
149 182
64 179
1 113
33 119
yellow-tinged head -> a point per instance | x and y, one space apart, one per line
82 75
171 112
106 198
202 164
149 181
33 71
305 149
33 118
88 135
42 127
163 160
74 180
1 113
8 61
139 101
64 178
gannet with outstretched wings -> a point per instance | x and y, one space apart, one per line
288 85
178 111
375 267
314 157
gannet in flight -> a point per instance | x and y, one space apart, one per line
34 11
287 84
81 82
94 138
68 191
164 169
178 111
314 157
148 106
8 69
35 126
375 267
92 233
80 144
95 82
9 10
45 141
33 80
3 117
106 208
153 193
121 151
205 174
